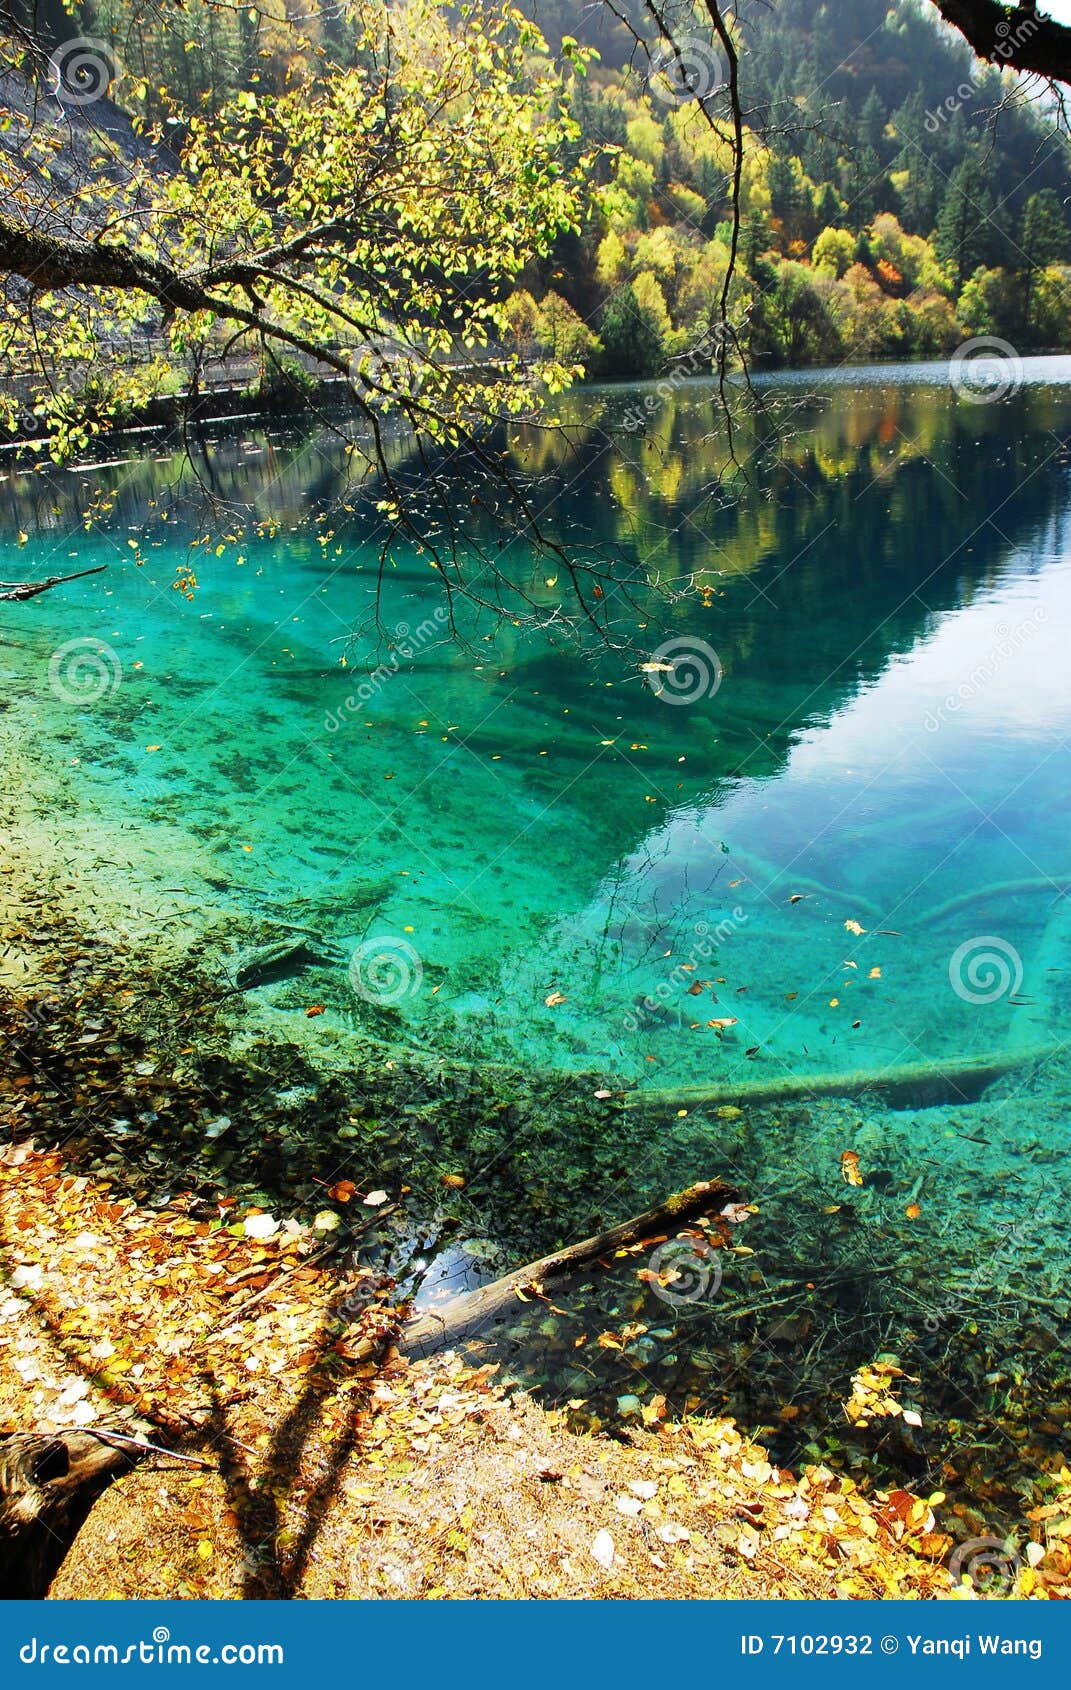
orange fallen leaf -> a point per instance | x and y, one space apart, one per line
849 1167
314 1009
913 1211
553 999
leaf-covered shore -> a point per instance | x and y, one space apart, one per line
214 1300
325 1480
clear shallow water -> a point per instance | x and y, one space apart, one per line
881 729
855 845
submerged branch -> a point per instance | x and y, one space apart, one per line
17 591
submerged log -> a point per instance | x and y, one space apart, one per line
478 1312
914 1085
47 1487
999 889
261 963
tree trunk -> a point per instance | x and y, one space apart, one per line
480 1311
914 1085
47 1487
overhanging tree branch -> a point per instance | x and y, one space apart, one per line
1013 37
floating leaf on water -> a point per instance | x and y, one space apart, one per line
553 999
854 927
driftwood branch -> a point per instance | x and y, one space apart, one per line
18 590
47 1487
479 1312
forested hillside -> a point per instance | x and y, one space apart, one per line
896 198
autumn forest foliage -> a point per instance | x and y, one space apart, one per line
896 198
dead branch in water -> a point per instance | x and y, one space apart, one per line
20 590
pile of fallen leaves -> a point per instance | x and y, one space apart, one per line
314 1476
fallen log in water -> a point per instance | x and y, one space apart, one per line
999 889
913 1085
478 1312
259 964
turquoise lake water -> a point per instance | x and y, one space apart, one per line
878 727
806 812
